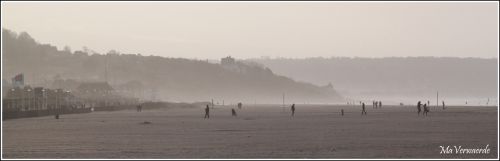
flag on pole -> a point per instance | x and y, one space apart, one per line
18 80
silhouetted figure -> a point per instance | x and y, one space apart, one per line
342 112
443 105
426 109
233 112
239 105
379 104
207 110
374 104
293 109
139 108
364 110
428 103
418 107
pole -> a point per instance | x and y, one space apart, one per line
23 100
106 68
283 106
437 99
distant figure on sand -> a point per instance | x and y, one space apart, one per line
342 112
443 105
139 108
379 104
418 107
426 109
233 112
364 110
239 105
207 110
293 109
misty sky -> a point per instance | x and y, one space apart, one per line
254 29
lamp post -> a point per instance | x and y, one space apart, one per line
14 100
57 100
66 101
22 100
44 100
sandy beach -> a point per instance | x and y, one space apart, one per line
259 131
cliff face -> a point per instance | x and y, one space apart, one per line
170 79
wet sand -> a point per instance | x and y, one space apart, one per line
263 131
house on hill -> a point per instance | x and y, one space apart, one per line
230 64
227 61
100 88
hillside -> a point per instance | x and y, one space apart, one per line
152 77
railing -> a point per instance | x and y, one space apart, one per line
11 114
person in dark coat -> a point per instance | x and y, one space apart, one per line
418 107
207 111
426 109
233 112
364 110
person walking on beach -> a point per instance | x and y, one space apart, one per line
239 105
342 112
443 105
233 112
364 110
293 109
379 104
207 110
139 108
418 107
426 109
